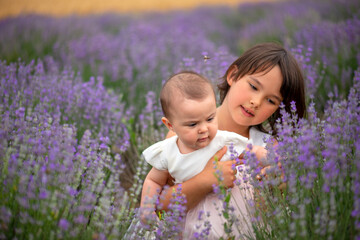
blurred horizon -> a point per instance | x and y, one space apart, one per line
62 8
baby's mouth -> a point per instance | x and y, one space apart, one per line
203 139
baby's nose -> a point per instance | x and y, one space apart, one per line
203 128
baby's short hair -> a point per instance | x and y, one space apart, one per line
188 84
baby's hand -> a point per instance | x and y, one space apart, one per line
148 216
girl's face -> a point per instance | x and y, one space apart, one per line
194 122
254 98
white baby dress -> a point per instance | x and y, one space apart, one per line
165 155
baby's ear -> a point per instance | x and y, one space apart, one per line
167 123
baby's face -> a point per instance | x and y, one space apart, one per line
195 123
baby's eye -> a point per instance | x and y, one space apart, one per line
192 124
252 86
210 119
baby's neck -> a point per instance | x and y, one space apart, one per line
182 148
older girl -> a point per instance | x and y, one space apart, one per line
250 93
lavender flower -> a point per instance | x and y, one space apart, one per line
78 103
318 159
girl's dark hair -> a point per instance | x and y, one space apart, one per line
262 58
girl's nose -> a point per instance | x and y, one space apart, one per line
255 102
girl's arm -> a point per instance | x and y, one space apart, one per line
196 188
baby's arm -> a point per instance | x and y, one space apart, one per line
154 182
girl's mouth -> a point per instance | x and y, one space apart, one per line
247 112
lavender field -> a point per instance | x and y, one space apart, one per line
79 103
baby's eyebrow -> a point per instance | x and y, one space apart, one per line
190 121
212 114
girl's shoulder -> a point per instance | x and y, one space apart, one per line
226 135
258 137
231 139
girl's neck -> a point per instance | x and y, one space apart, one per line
227 124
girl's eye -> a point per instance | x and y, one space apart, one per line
271 101
192 125
252 86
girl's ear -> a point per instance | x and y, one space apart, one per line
230 78
167 123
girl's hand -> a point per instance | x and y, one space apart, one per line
196 188
226 168
260 153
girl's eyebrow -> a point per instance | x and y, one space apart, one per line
259 83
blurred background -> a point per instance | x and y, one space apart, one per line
79 102
67 7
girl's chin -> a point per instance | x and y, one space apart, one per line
242 121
